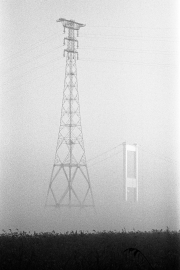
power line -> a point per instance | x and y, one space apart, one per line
132 27
30 48
150 152
160 157
18 95
32 69
123 62
104 152
47 39
30 81
129 37
125 50
36 57
105 158
86 48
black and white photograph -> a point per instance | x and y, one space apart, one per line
90 134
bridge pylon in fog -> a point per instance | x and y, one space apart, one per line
70 183
130 175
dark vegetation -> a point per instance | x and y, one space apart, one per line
97 250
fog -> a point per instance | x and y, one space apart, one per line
128 89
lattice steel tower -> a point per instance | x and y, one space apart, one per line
70 184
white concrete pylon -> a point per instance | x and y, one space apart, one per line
130 182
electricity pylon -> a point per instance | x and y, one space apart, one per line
70 183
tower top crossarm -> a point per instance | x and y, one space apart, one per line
71 24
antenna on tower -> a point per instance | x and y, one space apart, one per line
70 183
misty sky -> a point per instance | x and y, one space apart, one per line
128 88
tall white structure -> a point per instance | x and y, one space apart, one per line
130 174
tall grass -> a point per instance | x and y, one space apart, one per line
97 250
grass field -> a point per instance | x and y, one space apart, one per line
97 250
